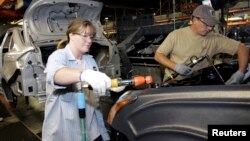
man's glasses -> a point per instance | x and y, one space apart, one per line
204 23
84 36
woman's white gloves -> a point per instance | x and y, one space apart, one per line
183 69
99 81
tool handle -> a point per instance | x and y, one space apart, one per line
136 81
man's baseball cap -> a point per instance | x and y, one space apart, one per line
206 13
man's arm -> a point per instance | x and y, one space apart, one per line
182 69
162 59
243 57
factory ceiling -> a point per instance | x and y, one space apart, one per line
13 10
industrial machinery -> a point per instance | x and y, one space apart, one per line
137 50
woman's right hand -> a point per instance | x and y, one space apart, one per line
99 81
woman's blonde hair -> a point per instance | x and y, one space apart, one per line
76 26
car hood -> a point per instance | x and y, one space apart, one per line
47 20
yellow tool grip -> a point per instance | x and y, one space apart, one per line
114 83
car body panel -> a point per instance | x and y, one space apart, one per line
182 112
46 20
21 64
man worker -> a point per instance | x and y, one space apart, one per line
198 40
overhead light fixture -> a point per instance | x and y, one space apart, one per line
19 4
207 2
216 4
19 22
